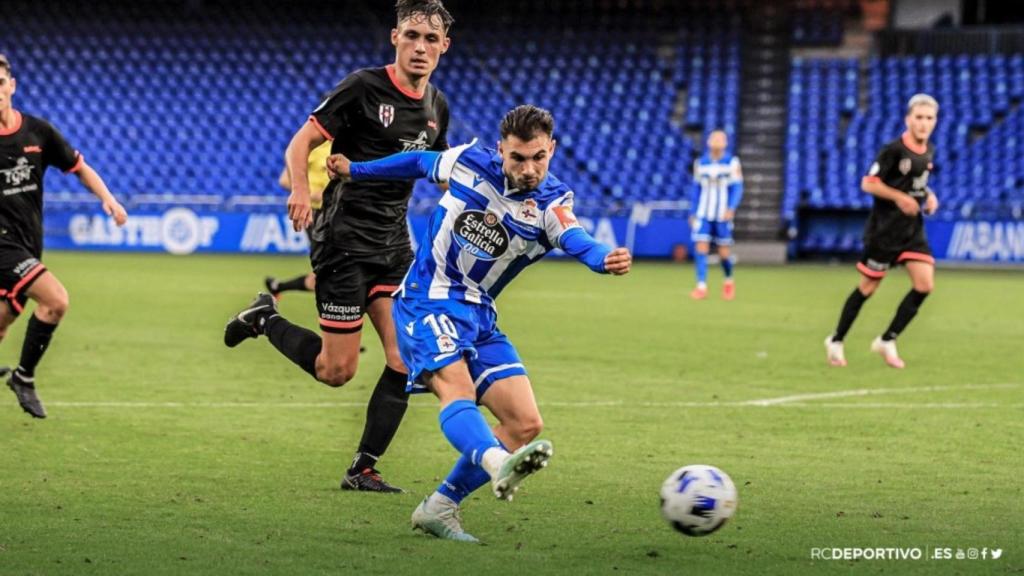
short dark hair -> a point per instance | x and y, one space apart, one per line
526 121
5 64
429 8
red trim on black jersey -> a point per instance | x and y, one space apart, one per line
15 128
27 280
876 274
335 327
916 256
394 80
381 291
78 164
872 179
908 141
323 131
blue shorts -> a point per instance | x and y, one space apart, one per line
435 333
719 232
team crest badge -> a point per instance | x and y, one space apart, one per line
386 113
905 165
528 211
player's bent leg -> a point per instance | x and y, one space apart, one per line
385 410
922 277
338 359
51 305
51 297
26 395
512 402
834 352
466 429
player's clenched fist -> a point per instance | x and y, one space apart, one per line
618 261
338 166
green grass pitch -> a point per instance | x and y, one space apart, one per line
167 453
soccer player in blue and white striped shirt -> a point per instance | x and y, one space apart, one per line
503 211
717 190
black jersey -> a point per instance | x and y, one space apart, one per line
905 167
368 116
26 151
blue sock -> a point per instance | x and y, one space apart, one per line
727 267
465 428
701 260
464 479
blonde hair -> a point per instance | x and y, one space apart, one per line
922 100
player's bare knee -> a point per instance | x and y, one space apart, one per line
526 429
54 310
868 287
336 376
924 286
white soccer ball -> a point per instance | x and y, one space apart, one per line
698 499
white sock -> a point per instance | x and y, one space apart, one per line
441 499
702 285
492 460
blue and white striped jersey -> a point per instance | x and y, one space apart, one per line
483 234
718 186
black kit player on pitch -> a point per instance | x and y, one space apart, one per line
361 249
895 233
28 146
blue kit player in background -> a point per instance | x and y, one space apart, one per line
502 212
717 191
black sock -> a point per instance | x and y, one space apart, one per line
904 314
293 284
850 311
383 416
37 340
299 345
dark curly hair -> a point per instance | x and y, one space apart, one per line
526 121
408 8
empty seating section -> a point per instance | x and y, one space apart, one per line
174 107
820 22
834 136
707 67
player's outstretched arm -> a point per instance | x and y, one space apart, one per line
401 166
95 184
598 257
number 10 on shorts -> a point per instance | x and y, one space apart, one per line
444 330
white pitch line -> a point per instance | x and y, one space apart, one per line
795 401
871 392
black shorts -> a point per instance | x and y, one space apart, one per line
19 269
346 284
880 255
